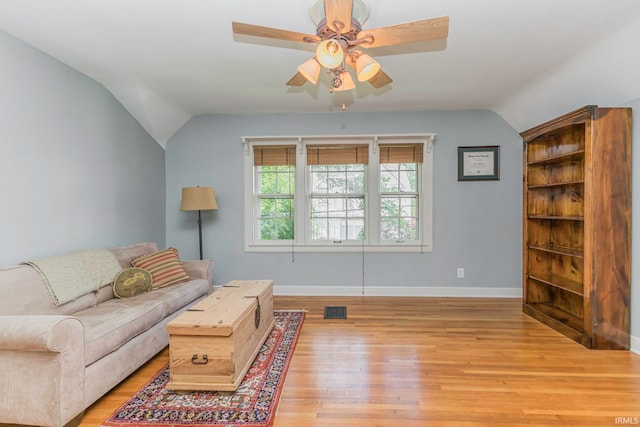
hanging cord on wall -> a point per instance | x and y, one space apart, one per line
291 218
363 267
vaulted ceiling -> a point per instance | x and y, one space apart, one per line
169 60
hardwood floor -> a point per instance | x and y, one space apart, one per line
404 362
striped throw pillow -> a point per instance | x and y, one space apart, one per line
165 267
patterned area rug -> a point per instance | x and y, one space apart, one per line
253 405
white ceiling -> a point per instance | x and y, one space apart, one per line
169 60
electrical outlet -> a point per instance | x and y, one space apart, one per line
460 273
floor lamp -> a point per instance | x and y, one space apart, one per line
198 199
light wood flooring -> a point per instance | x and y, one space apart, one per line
404 362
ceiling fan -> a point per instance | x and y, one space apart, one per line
340 38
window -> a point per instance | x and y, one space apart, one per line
337 195
274 192
399 191
345 193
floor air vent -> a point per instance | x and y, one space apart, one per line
335 312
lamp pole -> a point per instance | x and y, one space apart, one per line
200 232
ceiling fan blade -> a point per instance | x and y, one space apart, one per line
271 33
338 10
410 32
297 80
380 79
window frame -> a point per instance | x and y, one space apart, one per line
259 196
302 203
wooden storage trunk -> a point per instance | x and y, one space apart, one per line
213 344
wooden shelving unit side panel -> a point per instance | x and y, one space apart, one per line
609 216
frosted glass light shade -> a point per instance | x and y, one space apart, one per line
347 82
330 54
366 67
310 70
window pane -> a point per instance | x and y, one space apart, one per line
284 207
355 182
407 229
267 207
389 181
267 229
337 182
389 229
355 229
319 182
276 179
355 168
276 229
267 182
337 229
337 207
285 182
284 229
407 181
355 207
319 229
389 206
319 207
408 207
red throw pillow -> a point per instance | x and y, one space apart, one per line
165 267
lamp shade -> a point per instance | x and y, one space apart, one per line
310 70
330 54
366 67
198 199
347 82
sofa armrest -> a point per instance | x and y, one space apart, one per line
42 361
200 269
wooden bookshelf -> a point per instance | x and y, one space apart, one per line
577 225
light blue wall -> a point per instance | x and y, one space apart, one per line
477 225
76 170
635 236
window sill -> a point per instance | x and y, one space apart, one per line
350 248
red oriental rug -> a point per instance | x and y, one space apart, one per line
254 404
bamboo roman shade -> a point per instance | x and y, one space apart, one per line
337 154
401 153
274 155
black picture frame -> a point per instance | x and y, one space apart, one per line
479 163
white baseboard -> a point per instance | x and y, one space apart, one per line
398 291
635 344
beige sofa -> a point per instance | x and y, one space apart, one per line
58 360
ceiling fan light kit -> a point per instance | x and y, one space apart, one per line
342 82
310 70
366 67
338 32
330 54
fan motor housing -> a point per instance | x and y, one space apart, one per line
325 33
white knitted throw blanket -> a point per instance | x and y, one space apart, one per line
74 274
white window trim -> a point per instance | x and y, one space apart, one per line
301 242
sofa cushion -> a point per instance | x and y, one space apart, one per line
173 298
111 324
126 254
131 282
165 267
24 292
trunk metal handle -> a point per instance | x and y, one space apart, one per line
195 361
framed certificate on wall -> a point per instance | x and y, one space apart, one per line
479 163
